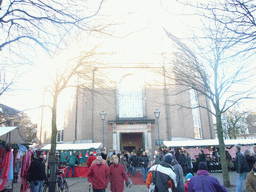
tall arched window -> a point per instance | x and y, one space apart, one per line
196 114
130 94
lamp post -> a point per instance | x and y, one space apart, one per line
103 115
157 115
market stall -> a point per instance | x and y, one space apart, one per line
10 157
82 150
210 148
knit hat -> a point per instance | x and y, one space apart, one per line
188 176
168 158
38 153
202 166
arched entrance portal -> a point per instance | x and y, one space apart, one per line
130 141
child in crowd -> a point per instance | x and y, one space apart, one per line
188 177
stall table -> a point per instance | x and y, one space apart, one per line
79 171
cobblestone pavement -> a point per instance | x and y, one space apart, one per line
80 184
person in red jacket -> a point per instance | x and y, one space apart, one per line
188 177
90 159
99 173
117 176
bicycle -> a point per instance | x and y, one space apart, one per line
62 185
61 182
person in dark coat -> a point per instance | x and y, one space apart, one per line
250 181
182 161
188 163
177 153
179 176
241 168
202 157
36 172
117 176
249 159
143 162
204 182
104 154
139 152
134 162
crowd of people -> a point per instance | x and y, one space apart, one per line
165 170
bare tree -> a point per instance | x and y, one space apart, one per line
66 76
27 25
214 70
234 123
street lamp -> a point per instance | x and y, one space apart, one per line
157 115
103 115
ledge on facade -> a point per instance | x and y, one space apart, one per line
131 121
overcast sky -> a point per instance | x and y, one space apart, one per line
135 20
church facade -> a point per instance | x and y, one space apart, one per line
129 96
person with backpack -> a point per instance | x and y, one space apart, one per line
161 177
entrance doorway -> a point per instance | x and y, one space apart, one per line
130 141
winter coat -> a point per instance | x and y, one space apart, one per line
204 180
179 178
143 161
163 176
186 185
250 181
104 156
249 160
241 164
117 177
90 159
188 163
182 160
134 161
100 176
72 160
202 158
36 170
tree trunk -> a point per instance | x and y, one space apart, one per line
52 159
223 160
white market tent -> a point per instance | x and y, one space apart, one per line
74 146
11 135
4 130
208 142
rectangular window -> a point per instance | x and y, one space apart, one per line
60 135
196 114
130 104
